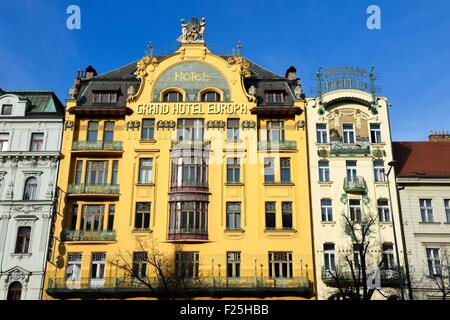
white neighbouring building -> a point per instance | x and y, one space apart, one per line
350 148
31 125
423 177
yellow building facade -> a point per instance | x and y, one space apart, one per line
198 159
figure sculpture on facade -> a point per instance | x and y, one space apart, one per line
193 31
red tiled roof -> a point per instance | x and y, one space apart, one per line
422 159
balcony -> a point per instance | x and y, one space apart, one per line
81 235
360 148
286 145
389 277
103 146
212 286
94 189
191 144
187 234
355 185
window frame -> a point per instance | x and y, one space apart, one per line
145 174
287 215
324 171
270 214
37 145
426 212
4 141
23 240
10 106
348 136
326 210
148 131
233 210
142 215
285 168
375 134
321 133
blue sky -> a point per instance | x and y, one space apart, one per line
411 51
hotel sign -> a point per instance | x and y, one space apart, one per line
192 109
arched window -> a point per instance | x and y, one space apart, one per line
172 96
14 291
30 192
210 96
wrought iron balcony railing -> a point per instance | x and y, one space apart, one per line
97 145
191 144
361 147
93 188
211 282
355 185
286 145
81 235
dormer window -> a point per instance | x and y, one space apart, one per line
105 97
6 109
275 96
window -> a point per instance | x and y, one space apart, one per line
73 270
115 172
97 172
233 170
210 96
352 172
270 215
388 256
329 256
324 171
92 133
92 219
140 265
233 215
233 264
148 129
186 264
269 170
357 255
280 265
145 171
188 217
30 192
327 210
275 96
355 210
79 171
383 211
4 141
189 172
98 266
14 291
23 239
142 219
285 167
108 131
105 97
348 133
74 220
233 130
426 210
321 130
7 109
275 131
447 209
190 130
434 262
286 212
378 170
173 96
375 133
37 142
111 214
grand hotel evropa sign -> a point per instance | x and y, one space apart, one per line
192 109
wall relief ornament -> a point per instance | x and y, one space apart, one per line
17 274
239 61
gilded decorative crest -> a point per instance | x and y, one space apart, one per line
244 64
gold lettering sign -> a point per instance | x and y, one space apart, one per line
191 109
191 76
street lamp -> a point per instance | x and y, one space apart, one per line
391 165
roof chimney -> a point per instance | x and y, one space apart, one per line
90 73
291 73
439 136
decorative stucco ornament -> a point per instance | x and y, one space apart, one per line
131 91
252 91
298 92
193 31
